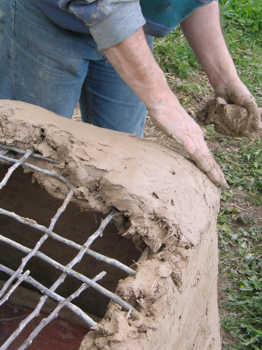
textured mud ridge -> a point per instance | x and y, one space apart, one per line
167 231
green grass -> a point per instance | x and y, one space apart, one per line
240 254
175 55
241 243
243 169
240 218
245 15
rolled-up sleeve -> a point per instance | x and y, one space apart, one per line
120 24
109 21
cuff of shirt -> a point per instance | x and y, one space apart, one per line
125 20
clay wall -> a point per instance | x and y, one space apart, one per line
166 229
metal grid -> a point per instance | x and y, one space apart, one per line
11 155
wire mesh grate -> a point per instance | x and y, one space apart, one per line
17 158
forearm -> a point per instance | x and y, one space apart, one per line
203 31
135 63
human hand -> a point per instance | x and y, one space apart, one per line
134 62
237 93
175 122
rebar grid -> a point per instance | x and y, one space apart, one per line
21 275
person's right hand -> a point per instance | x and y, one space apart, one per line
133 60
175 122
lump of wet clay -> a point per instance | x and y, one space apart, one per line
231 119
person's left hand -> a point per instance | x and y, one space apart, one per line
237 93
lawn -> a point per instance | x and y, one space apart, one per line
240 218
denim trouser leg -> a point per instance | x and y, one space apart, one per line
108 102
45 65
5 84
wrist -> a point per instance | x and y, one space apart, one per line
164 104
221 78
224 88
169 115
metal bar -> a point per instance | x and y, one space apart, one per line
26 259
70 243
34 167
110 261
78 257
52 295
61 210
53 315
21 279
100 230
14 167
41 228
62 278
36 312
73 273
19 151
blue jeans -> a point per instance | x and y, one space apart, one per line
45 65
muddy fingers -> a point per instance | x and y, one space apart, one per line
253 115
209 166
